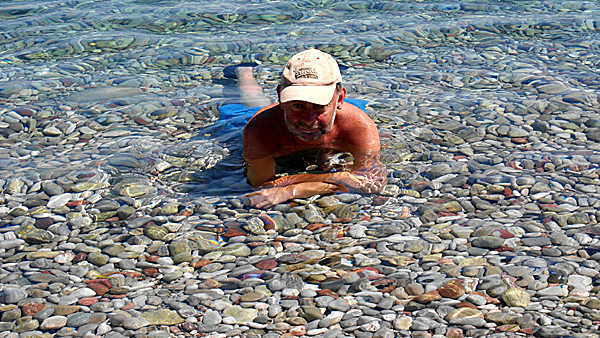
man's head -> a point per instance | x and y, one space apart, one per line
309 76
310 92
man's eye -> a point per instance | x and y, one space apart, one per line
298 106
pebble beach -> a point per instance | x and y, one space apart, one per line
122 210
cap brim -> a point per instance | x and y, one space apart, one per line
321 95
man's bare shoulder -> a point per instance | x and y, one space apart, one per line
353 118
265 115
260 137
356 128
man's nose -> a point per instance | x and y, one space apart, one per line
311 114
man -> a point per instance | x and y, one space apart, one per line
311 121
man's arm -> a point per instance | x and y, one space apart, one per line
271 196
370 177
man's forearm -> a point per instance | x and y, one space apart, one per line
308 189
367 180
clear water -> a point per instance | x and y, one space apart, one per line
459 60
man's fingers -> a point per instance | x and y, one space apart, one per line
256 199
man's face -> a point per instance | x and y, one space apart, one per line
309 121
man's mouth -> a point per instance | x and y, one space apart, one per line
308 131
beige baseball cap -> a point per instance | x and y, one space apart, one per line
310 76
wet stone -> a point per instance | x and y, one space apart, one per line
12 295
488 242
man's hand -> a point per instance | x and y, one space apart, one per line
270 196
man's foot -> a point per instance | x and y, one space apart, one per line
230 72
250 91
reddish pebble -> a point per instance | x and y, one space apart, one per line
30 309
185 212
80 257
465 304
366 268
503 233
141 121
267 264
200 263
118 296
255 244
234 232
453 289
152 259
87 301
112 219
101 281
327 292
384 284
268 220
488 299
128 307
519 140
365 218
428 297
99 288
315 226
77 203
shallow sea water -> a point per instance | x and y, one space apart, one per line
147 77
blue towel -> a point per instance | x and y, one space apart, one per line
233 117
360 103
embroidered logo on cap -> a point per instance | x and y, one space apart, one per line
306 73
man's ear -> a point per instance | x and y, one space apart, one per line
341 97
